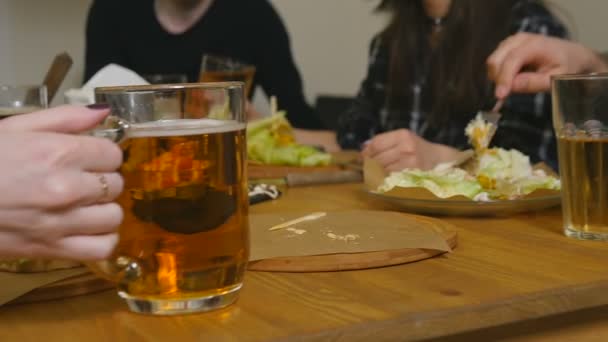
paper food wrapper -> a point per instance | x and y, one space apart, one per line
374 175
15 285
356 231
109 76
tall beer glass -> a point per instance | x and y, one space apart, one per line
184 240
580 117
22 99
221 69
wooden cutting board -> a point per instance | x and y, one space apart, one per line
89 283
75 286
341 160
363 260
259 171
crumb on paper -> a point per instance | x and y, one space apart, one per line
296 230
311 217
346 238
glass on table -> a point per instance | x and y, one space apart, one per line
184 242
224 69
580 118
21 99
166 78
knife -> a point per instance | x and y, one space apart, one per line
314 178
56 74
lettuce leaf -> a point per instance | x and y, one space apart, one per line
270 141
443 183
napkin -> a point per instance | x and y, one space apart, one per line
110 75
355 231
15 285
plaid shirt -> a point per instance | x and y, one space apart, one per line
526 124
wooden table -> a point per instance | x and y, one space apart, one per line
515 277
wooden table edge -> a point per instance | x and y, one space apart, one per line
436 324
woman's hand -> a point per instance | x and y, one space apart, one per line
58 187
525 62
400 149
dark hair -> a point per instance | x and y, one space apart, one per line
456 81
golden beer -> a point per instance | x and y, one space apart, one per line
184 241
580 120
244 75
185 203
216 68
584 175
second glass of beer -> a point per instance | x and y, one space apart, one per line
580 118
184 241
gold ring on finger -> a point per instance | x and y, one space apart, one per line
105 188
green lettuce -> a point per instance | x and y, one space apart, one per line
270 141
443 183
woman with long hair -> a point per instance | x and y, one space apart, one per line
427 78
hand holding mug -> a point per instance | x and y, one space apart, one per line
58 186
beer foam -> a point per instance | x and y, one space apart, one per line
166 128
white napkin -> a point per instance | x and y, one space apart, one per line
110 75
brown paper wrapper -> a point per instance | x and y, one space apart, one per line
374 175
15 285
357 231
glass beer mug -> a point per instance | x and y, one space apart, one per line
184 239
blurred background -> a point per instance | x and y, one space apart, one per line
329 38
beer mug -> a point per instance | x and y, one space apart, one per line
184 244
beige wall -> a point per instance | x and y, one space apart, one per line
34 32
329 37
587 20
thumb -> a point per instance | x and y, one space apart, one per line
63 119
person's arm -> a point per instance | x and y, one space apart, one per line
362 120
103 38
360 126
526 124
400 149
277 72
525 62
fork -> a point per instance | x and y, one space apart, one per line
493 117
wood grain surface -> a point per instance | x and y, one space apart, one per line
505 271
75 286
257 171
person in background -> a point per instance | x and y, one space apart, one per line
57 192
524 63
427 79
171 36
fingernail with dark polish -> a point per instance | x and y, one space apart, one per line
99 106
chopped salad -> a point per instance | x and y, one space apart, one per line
492 174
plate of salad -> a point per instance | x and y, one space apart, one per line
494 181
273 151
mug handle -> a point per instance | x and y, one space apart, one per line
118 269
113 128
